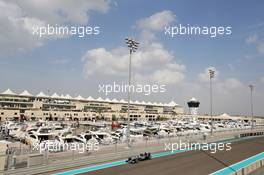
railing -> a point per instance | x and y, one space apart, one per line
24 160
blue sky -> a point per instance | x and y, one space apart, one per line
60 65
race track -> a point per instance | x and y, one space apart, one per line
189 163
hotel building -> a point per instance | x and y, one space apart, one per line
60 107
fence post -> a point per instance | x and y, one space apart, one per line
243 171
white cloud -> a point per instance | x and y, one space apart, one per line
61 11
232 84
164 76
151 63
204 76
17 19
155 23
257 41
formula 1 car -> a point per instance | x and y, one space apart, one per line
140 157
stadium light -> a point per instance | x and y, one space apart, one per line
211 76
133 46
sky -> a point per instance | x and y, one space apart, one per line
74 65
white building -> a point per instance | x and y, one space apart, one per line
65 107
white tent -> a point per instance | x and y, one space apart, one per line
25 93
137 102
149 103
62 96
68 96
123 101
160 104
9 92
172 103
107 100
143 103
225 116
79 97
41 94
115 100
155 104
55 95
99 99
90 98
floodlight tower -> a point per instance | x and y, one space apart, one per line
211 76
133 46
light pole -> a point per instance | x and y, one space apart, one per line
211 76
132 45
251 104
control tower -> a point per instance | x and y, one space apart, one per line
193 105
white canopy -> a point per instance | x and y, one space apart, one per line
137 102
107 100
9 92
172 103
25 93
62 96
41 94
99 99
160 104
115 100
155 103
225 116
55 95
123 101
79 97
149 103
143 103
90 98
68 96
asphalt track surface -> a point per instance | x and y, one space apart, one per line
189 163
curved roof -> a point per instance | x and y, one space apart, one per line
25 93
194 99
9 92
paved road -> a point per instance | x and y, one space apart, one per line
189 163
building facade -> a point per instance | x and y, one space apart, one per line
55 107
